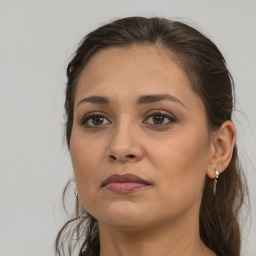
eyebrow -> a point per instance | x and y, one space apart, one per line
144 99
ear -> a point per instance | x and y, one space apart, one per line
222 145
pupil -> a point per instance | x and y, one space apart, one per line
97 120
158 119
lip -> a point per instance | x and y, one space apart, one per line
124 183
116 178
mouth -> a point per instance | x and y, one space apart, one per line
124 183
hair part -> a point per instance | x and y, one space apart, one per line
206 69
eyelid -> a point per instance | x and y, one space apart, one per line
160 112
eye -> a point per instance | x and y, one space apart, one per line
157 118
160 118
94 120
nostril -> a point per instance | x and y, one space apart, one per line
112 157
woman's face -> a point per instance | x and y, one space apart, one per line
147 122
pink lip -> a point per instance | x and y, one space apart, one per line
124 183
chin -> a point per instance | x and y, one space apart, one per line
123 215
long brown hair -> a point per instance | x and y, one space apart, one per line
210 79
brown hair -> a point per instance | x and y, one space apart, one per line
206 68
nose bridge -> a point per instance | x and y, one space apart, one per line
123 133
125 143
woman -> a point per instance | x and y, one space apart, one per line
148 106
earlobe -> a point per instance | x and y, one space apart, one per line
222 145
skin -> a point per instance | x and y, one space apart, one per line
163 218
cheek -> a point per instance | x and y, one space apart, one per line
182 163
85 158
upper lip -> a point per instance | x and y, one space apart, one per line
117 178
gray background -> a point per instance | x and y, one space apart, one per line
37 39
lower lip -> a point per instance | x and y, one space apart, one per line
124 187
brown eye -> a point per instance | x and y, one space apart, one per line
97 120
160 119
94 120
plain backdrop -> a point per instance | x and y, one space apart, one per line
37 39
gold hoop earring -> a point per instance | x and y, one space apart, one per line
76 194
215 181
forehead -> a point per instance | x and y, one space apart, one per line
131 64
134 54
133 71
123 75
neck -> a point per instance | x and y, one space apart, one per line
168 239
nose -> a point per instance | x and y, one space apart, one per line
125 144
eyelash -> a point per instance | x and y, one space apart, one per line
151 114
